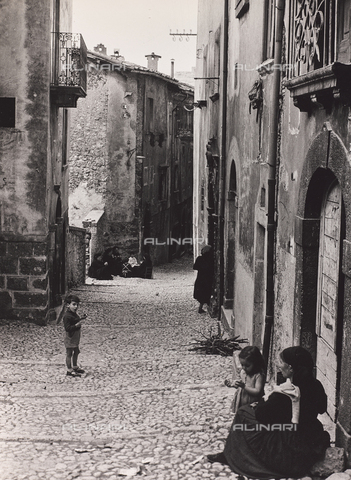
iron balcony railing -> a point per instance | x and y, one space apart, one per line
69 60
313 35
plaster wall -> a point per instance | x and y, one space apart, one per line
245 149
243 300
25 75
116 160
88 157
210 20
103 156
30 162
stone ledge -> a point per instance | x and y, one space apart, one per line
340 476
334 462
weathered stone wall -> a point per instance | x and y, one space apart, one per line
23 280
88 158
115 158
103 155
29 164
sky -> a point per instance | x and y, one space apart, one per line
138 28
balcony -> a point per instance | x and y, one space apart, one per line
316 74
69 74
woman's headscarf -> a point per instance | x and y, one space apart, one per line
205 249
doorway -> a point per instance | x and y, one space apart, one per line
330 287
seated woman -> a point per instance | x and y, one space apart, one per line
113 259
99 269
281 436
140 270
132 261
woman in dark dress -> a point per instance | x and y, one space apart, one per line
281 437
141 270
99 269
203 283
112 257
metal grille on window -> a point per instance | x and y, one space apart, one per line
313 35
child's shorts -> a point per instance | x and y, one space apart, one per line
71 350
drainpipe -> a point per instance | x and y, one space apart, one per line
222 179
272 161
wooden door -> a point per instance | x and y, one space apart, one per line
328 295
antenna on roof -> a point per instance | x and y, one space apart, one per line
185 34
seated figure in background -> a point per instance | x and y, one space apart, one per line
99 269
112 257
141 270
132 261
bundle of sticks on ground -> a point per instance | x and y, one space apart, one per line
215 344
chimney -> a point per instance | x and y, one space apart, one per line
152 61
100 49
172 67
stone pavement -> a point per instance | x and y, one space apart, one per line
146 403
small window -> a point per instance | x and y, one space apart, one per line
145 176
176 178
150 115
269 30
241 7
64 136
7 112
162 186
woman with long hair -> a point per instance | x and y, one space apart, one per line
280 437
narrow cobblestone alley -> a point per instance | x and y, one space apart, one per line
145 404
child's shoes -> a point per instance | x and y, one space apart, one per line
73 373
79 370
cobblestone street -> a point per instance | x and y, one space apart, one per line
146 403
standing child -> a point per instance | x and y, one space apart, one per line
72 324
249 377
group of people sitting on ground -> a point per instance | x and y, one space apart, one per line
276 435
109 264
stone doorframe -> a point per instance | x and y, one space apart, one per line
326 160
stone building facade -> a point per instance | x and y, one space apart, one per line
37 88
131 158
272 178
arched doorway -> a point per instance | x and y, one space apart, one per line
231 227
330 295
322 292
323 274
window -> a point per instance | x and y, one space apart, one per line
150 115
7 112
344 53
319 51
269 30
64 136
176 178
241 7
145 176
162 186
313 32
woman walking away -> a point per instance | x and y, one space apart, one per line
203 283
281 437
